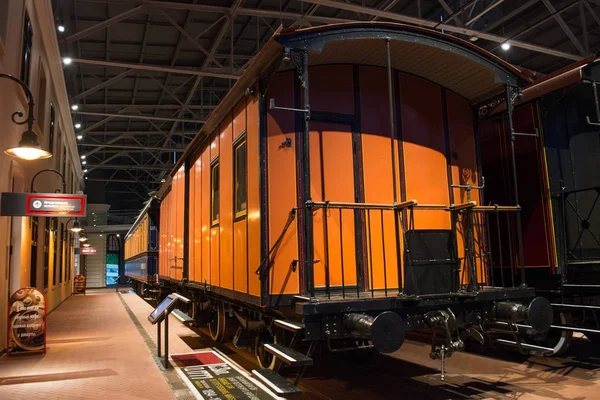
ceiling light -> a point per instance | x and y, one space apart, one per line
83 157
505 46
77 125
162 181
67 60
28 148
60 28
85 170
74 107
118 235
84 162
76 228
86 177
79 137
473 38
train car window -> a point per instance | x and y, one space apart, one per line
241 197
214 184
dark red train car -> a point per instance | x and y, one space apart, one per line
557 147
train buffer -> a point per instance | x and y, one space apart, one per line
277 383
292 326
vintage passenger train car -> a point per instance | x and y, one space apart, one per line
141 251
333 198
557 143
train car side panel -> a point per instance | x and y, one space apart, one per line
426 179
377 172
331 89
226 206
240 199
253 196
332 179
282 187
215 212
206 235
463 162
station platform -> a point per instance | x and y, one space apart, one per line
99 346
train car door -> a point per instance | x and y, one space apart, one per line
336 233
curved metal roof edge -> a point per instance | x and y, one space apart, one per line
303 35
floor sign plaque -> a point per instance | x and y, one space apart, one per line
213 376
27 321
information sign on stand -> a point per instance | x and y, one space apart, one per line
27 321
160 314
79 284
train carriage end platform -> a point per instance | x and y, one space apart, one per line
99 346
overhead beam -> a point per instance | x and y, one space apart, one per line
251 12
510 15
146 117
127 146
158 68
485 11
445 27
144 167
138 133
102 85
105 24
565 27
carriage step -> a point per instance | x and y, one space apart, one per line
526 346
276 382
183 317
287 355
291 326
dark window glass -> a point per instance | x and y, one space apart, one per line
46 251
33 263
55 249
214 184
241 197
51 131
26 52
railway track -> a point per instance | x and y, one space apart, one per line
410 374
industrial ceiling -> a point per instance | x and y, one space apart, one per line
146 74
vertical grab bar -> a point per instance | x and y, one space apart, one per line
342 257
383 250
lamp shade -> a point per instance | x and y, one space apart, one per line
82 237
28 148
76 228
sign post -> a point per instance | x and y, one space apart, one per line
42 204
27 321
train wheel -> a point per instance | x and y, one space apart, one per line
218 322
555 339
265 359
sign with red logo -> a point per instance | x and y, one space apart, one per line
27 321
43 204
88 250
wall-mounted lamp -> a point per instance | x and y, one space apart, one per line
29 146
76 228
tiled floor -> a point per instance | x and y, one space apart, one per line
94 351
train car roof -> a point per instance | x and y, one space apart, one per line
140 216
586 69
456 64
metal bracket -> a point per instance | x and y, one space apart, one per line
536 134
596 103
272 106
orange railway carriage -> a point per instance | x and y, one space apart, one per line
334 192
